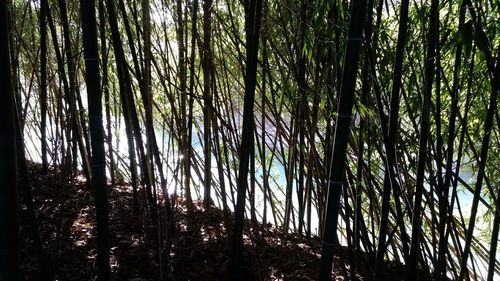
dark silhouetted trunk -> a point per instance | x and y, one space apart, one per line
340 138
207 98
423 141
43 83
105 88
253 10
9 238
94 95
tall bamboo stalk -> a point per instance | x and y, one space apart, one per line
94 94
342 127
253 9
9 238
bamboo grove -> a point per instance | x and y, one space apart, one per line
373 124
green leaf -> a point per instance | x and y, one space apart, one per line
362 110
465 36
309 56
481 40
304 50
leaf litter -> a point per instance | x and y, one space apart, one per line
199 248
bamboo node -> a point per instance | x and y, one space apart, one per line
336 182
346 116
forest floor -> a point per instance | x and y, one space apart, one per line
66 221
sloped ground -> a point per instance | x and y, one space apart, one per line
199 246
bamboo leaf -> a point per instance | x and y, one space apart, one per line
464 37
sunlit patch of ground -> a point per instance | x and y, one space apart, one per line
82 228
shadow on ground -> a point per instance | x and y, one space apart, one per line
199 249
